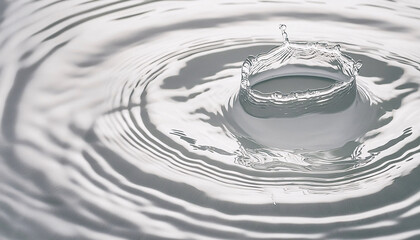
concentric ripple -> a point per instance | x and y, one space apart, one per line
123 120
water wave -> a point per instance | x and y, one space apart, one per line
121 120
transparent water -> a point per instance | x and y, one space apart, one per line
123 120
293 83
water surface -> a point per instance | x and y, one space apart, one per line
121 120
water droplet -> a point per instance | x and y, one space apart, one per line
358 65
283 28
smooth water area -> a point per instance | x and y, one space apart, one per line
132 120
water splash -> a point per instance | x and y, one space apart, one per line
299 59
283 125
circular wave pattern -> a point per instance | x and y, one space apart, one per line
119 125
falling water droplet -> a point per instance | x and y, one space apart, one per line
283 28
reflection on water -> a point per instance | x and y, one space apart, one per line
121 120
